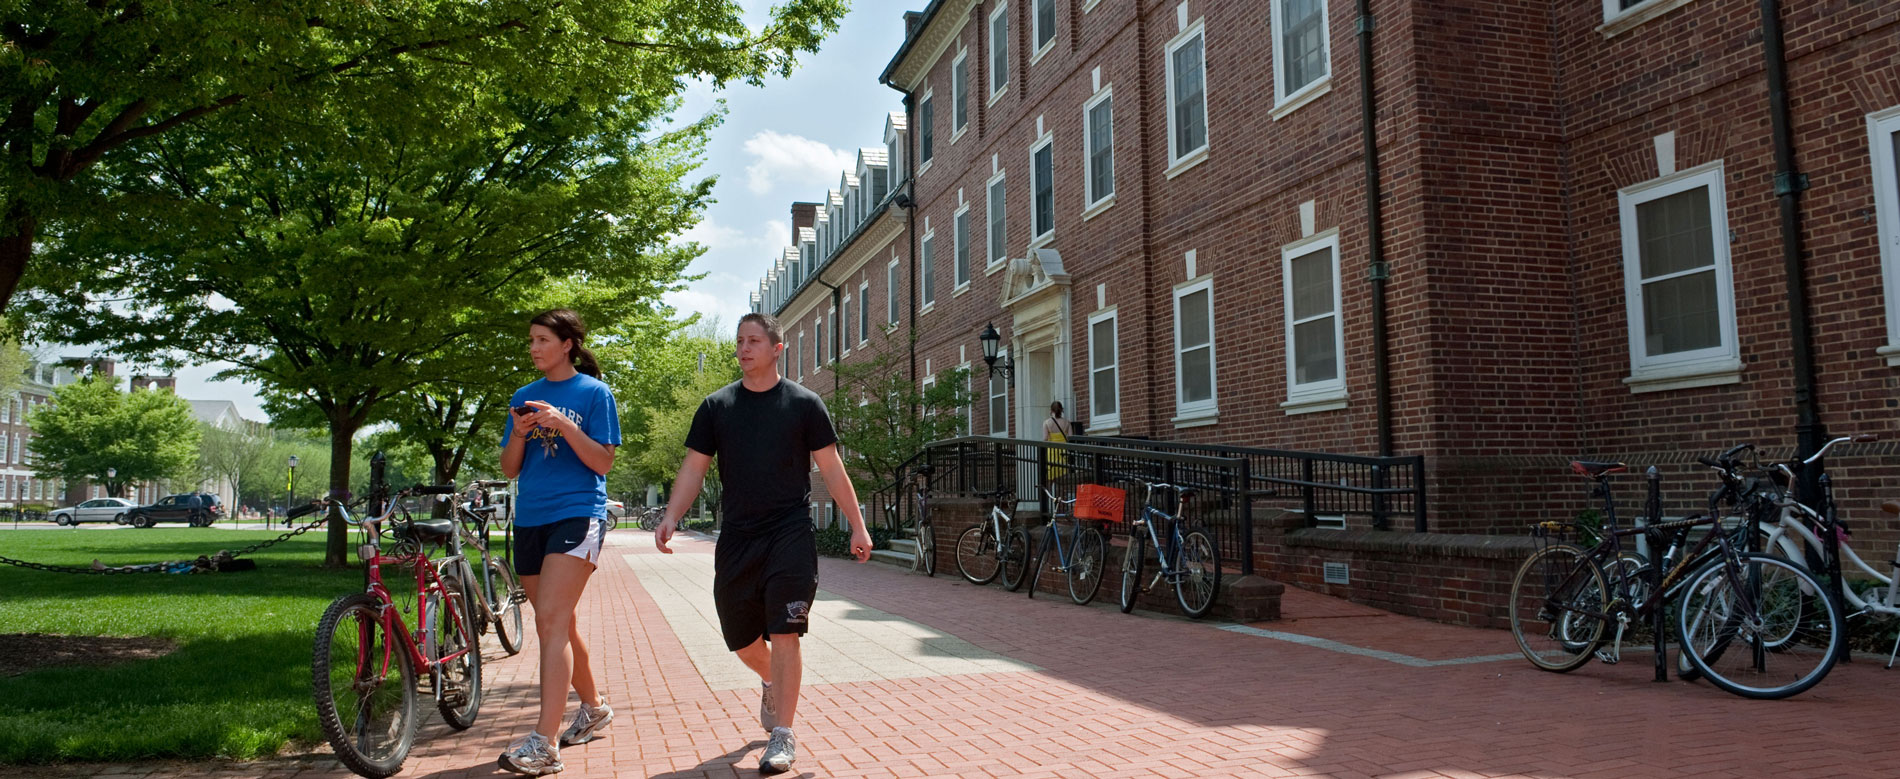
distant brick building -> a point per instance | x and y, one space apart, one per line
1163 207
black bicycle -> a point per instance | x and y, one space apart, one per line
1749 622
1081 561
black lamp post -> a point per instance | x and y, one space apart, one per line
992 342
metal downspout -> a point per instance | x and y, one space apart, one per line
1377 271
1789 182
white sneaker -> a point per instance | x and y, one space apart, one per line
768 711
779 752
587 724
533 756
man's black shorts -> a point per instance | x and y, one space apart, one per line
764 581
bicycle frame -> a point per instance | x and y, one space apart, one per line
1169 555
428 583
1055 533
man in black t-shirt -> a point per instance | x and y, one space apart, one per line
766 432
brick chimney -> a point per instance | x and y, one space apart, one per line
803 215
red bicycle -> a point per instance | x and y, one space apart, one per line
363 666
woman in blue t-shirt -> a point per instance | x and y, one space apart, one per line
559 442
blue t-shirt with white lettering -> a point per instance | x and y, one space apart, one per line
554 483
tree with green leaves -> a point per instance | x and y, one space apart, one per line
233 455
882 419
663 446
658 363
93 432
14 362
373 261
88 83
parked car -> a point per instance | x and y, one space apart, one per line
95 510
193 508
616 510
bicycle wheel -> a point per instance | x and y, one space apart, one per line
502 589
1558 603
365 687
458 681
1732 615
1013 559
925 534
1040 555
1198 578
1086 567
976 553
1131 572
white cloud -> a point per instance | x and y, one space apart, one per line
792 159
770 236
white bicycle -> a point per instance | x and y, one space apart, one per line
1799 534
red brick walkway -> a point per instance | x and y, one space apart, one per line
1155 695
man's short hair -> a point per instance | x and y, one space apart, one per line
767 321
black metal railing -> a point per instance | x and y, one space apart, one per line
980 465
1316 484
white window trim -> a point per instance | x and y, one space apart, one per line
1715 365
844 323
969 265
928 271
1035 29
1180 164
924 164
1105 421
1048 236
891 307
1090 5
989 398
818 345
1287 102
1617 21
1096 205
992 264
956 131
864 311
1202 412
969 399
989 68
798 359
1881 126
1313 396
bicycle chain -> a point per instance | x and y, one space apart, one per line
167 566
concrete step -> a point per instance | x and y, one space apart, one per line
894 558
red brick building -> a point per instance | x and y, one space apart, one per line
1580 231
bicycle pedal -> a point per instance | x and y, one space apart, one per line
1607 658
519 597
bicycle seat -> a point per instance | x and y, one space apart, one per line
427 530
1595 469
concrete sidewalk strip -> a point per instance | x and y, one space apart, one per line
1335 646
849 642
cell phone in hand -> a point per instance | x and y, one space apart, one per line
522 411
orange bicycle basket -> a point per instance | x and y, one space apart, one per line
1099 502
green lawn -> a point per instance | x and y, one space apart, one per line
239 684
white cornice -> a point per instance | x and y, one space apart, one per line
932 43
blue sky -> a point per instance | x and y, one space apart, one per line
787 141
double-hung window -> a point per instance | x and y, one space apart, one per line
926 134
926 255
959 95
864 312
998 219
961 239
1883 132
1042 186
999 403
1194 393
1676 282
999 49
1098 184
1187 97
1044 24
1300 64
890 293
1315 355
1104 393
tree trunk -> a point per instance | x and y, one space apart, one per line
342 438
16 248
